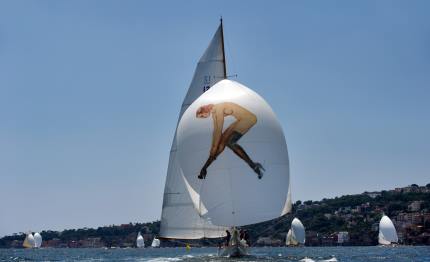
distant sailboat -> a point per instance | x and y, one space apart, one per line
29 241
214 181
140 243
37 240
387 232
155 242
296 235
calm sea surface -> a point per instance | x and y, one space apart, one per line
402 253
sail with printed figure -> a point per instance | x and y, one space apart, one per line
233 193
228 164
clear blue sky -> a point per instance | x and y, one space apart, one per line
90 93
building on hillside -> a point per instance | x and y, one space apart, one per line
330 240
375 227
342 237
91 242
312 238
268 241
415 206
372 194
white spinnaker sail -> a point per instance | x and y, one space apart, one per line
179 219
140 242
28 241
298 231
231 193
37 240
387 231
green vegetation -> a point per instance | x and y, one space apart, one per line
356 214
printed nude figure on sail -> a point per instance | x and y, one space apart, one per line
245 120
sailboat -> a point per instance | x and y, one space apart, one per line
37 240
28 241
228 164
155 242
387 232
140 243
296 234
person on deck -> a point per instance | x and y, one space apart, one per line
227 237
229 138
246 237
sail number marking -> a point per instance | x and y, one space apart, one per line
207 79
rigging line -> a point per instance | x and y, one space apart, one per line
200 206
281 220
231 59
231 196
223 49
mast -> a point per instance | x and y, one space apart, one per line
223 50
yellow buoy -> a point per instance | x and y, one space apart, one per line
187 247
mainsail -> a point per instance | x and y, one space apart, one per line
387 231
234 192
140 242
155 242
179 218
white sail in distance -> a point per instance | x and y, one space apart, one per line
155 242
28 241
140 243
179 219
297 232
290 241
252 140
387 231
37 240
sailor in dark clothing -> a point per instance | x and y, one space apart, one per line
246 237
227 237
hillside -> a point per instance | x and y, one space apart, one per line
358 215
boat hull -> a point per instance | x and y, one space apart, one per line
238 250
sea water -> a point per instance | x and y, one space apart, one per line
376 253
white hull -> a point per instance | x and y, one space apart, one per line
234 251
236 247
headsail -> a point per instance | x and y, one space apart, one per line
179 218
28 241
298 231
